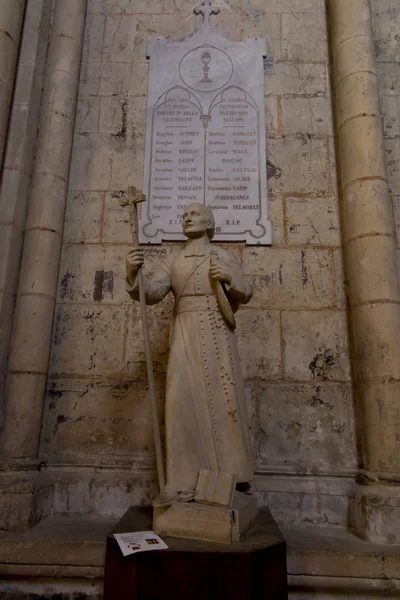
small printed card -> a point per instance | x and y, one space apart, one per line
139 541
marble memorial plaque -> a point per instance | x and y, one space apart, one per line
205 136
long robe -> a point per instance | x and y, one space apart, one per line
206 417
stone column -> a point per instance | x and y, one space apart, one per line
369 250
11 17
30 343
18 162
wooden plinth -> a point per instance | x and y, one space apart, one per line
253 568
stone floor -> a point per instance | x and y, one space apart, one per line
63 558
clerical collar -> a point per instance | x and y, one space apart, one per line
196 246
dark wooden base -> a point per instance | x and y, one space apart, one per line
253 568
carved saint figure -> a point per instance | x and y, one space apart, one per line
206 419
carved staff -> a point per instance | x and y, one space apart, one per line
132 201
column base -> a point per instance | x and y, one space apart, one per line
374 513
26 499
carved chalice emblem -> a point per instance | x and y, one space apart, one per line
205 59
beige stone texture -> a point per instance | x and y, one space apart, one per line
306 427
259 340
39 266
47 214
87 115
94 35
381 455
376 341
349 17
388 75
108 492
390 111
127 7
312 222
83 217
18 147
357 95
14 185
362 153
341 280
50 155
21 439
89 418
238 26
126 35
298 45
385 16
10 236
88 340
398 262
275 215
298 165
315 346
264 6
272 121
367 210
11 17
396 206
104 162
109 78
354 54
24 503
373 284
374 513
307 79
123 116
392 148
308 498
59 82
290 279
34 313
311 115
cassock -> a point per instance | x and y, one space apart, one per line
206 416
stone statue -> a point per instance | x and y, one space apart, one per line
206 419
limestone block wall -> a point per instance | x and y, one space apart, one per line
293 336
386 23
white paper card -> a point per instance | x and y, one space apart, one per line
139 541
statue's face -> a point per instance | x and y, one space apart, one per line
195 220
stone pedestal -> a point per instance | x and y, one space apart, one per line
199 570
374 513
196 521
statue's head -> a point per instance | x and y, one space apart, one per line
198 220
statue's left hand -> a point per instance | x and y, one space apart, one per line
220 272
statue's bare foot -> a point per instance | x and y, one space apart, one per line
186 495
165 498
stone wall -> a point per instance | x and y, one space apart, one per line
386 22
292 336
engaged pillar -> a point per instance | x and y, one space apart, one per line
30 344
371 270
11 17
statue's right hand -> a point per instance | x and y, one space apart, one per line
134 260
